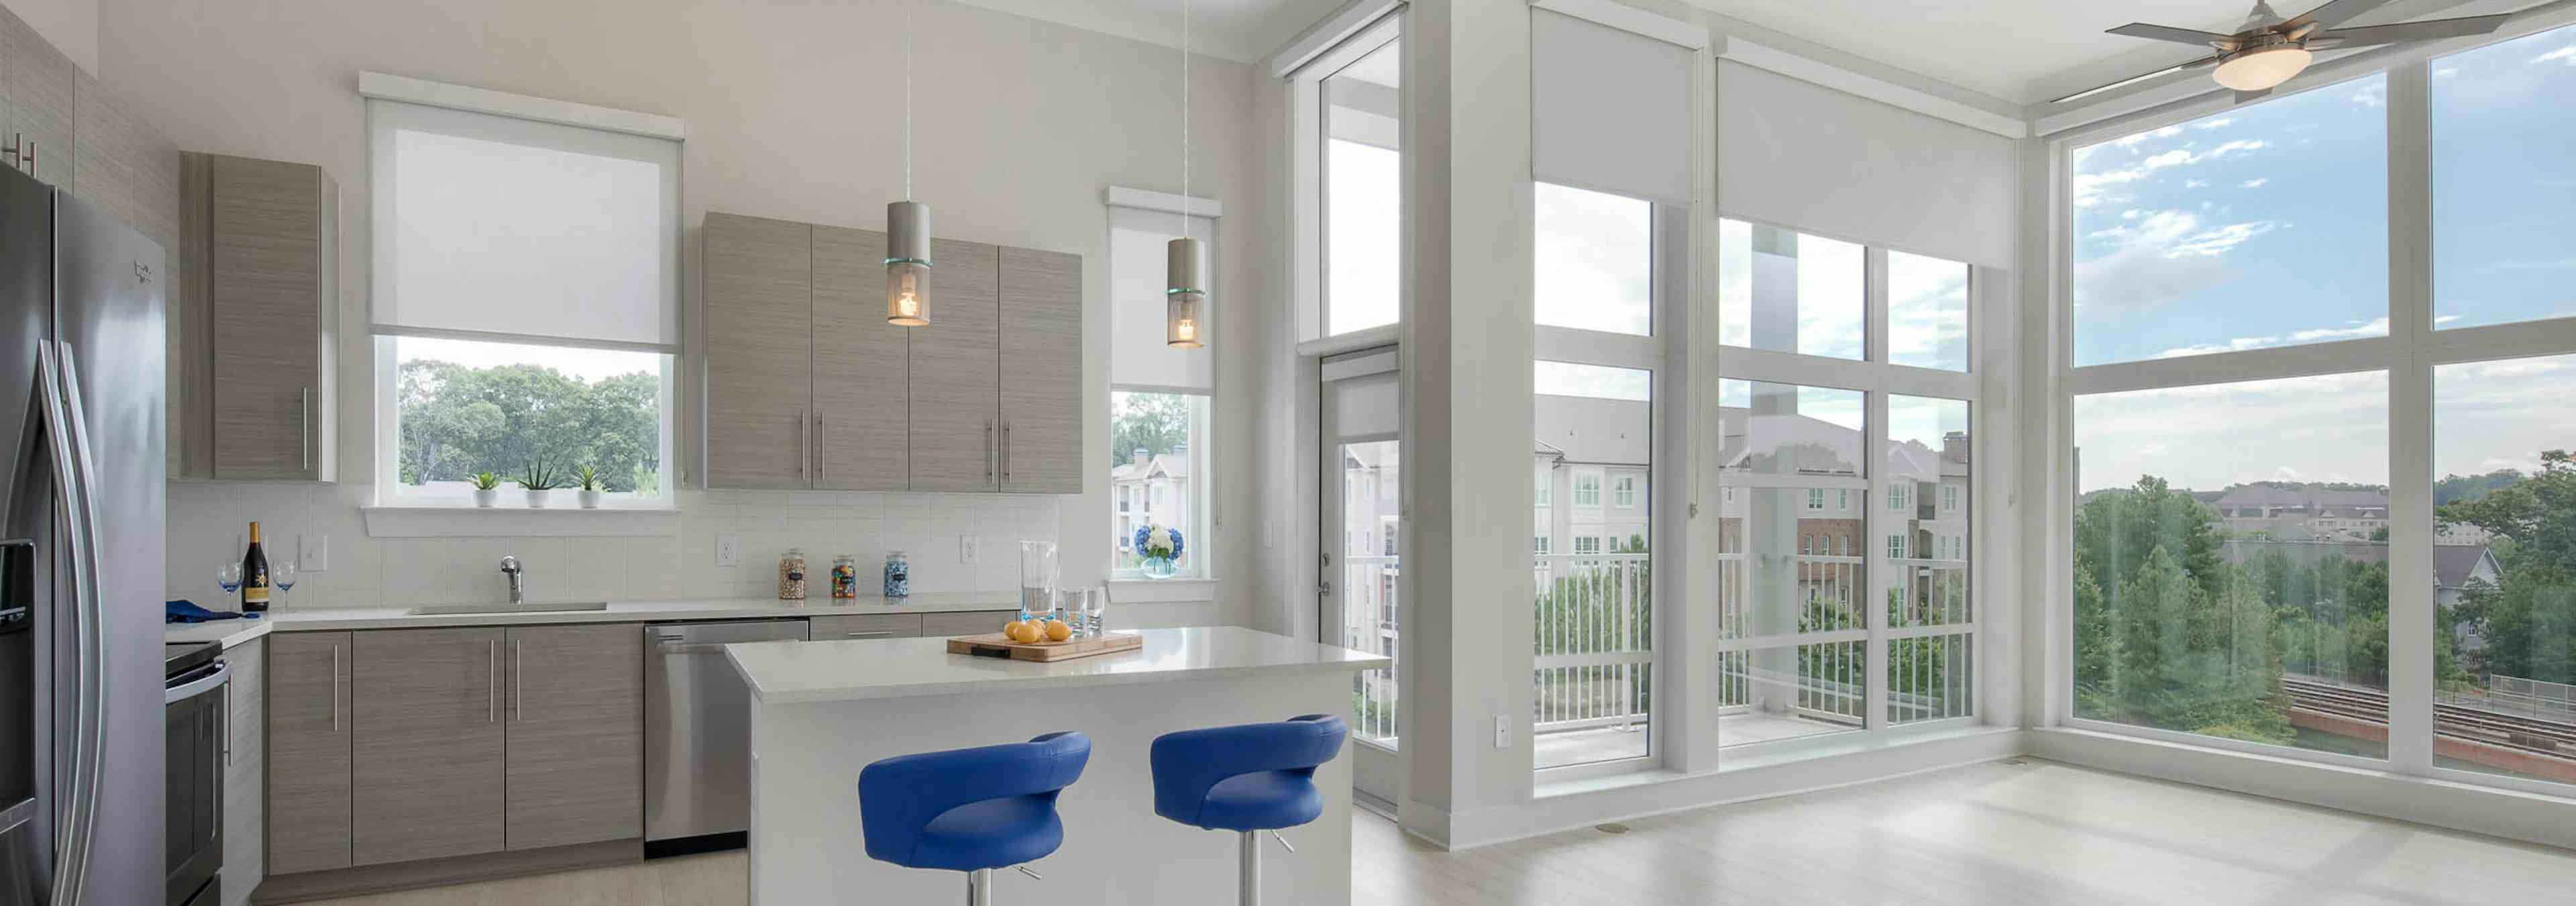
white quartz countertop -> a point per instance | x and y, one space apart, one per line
320 619
799 672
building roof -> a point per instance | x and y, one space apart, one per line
2455 564
1593 430
1168 465
2268 495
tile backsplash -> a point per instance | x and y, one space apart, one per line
209 523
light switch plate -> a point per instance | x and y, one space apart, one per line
1502 732
966 553
728 550
313 553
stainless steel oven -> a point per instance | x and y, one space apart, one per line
199 727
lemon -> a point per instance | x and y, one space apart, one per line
1057 631
1012 630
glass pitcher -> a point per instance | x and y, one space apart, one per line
1038 579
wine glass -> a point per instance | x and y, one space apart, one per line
229 575
282 574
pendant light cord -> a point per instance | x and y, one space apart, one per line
1185 119
907 100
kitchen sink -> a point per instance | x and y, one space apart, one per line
529 607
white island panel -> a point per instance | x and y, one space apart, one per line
811 737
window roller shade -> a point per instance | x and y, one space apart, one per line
497 228
1610 109
1795 154
1139 357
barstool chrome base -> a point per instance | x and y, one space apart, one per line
1248 886
979 887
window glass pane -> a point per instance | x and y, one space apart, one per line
1153 470
1371 621
2265 225
464 407
1791 692
2218 589
1596 261
1363 196
1927 458
1593 624
2504 568
1927 312
1783 446
1931 677
1786 291
2504 182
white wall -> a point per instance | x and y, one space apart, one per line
793 110
70 25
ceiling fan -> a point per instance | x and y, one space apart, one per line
2267 50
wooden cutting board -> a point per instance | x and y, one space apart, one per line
997 645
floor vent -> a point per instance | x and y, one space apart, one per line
1611 828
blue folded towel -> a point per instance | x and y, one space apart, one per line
184 611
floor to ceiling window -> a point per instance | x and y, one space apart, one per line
1845 592
1363 163
2321 503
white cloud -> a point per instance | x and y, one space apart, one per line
2089 185
2530 264
2324 428
2256 183
2446 72
2159 256
2376 327
2219 123
2565 55
2373 95
2218 240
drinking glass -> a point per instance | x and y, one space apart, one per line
229 575
1088 606
1038 578
282 574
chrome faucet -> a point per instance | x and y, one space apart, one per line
518 580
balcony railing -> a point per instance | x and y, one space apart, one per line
1370 614
1593 637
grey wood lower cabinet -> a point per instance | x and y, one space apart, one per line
575 735
426 749
964 622
245 699
308 751
863 626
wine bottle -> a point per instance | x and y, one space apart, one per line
254 587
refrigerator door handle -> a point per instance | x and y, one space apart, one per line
75 471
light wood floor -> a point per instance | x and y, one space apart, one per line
2030 833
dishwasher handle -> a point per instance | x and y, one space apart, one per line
694 648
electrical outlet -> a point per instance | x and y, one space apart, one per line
313 554
728 550
1502 732
966 549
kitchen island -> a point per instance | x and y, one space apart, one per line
823 710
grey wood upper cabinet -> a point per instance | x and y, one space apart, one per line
760 324
575 735
245 701
1041 371
860 366
262 257
36 83
955 438
308 751
426 744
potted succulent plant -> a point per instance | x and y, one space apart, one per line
591 484
538 480
1161 548
487 488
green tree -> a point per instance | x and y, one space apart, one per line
456 421
1152 422
2528 618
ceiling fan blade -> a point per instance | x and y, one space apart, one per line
2333 12
2097 89
2176 35
2412 31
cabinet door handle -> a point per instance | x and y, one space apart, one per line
823 450
804 447
1006 451
304 421
871 632
335 687
491 681
989 453
518 684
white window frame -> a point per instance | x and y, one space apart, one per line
1623 492
2408 354
1197 543
1587 488
1307 242
1878 379
391 494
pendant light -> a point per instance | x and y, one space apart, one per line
1185 261
907 258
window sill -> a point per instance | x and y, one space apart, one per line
522 521
1161 591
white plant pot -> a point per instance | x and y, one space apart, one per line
483 498
537 498
589 499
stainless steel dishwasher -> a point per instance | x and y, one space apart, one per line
697 734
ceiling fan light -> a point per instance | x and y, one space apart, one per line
2262 68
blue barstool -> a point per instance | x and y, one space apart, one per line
971 810
1247 778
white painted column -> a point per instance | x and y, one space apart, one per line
2410 432
1468 343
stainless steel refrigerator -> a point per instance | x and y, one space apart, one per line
81 536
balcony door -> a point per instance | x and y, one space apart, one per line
1357 589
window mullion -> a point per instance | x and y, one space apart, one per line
1880 568
2411 620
